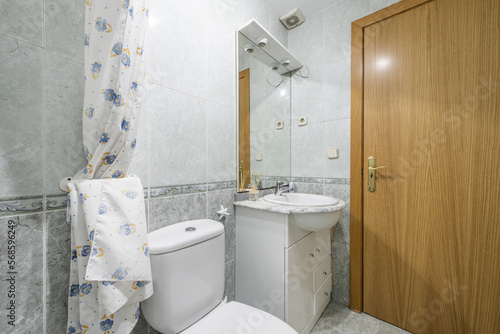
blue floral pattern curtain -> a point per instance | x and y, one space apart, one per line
115 32
110 268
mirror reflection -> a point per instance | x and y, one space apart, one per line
264 117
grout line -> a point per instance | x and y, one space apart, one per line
180 91
337 119
65 55
41 47
22 40
148 138
44 181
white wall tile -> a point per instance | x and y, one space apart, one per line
337 89
307 150
379 4
338 135
258 10
177 45
221 143
306 43
177 138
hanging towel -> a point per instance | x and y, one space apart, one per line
110 267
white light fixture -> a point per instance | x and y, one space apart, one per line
262 42
285 62
249 48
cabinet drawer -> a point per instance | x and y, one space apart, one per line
321 273
322 297
299 284
323 245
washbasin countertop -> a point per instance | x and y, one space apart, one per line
262 204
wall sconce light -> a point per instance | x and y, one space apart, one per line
249 48
261 42
285 62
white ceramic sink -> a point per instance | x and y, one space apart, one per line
314 212
298 199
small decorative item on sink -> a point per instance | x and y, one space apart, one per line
254 192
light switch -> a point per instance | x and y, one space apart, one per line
258 156
332 153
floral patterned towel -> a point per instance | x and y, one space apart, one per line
110 267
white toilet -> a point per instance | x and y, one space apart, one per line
187 262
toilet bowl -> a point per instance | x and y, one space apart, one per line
187 262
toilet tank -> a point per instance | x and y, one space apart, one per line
187 262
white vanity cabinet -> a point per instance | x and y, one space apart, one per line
281 268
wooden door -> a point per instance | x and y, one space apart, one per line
431 113
244 130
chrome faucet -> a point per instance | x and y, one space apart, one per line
284 187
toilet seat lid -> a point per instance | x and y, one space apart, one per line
235 317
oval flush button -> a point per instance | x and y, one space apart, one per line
190 229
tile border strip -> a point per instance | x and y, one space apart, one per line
174 190
31 204
304 179
19 205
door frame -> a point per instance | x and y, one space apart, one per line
356 193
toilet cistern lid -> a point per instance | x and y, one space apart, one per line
181 235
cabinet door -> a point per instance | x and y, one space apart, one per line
301 263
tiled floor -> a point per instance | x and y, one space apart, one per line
338 319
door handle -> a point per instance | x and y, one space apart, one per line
372 173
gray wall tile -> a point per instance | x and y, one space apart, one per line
21 109
22 19
58 257
309 188
28 273
230 281
64 26
225 198
341 265
342 229
64 87
166 211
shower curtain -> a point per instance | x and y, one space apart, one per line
115 32
110 268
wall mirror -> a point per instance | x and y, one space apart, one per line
264 107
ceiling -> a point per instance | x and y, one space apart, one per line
307 7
